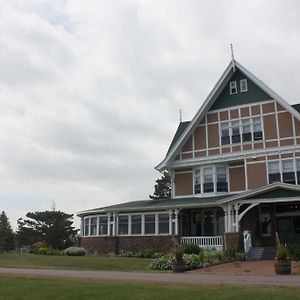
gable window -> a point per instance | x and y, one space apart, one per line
288 174
236 138
222 185
274 172
103 225
211 179
233 87
243 85
208 183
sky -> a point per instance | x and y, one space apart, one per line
90 91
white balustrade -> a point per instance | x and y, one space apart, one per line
205 242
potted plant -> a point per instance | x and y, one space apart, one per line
282 262
178 262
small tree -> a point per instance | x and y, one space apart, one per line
162 188
52 227
7 237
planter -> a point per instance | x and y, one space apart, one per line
283 267
178 267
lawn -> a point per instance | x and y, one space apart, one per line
104 263
31 289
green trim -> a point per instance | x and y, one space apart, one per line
278 193
253 95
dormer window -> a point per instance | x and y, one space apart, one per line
243 85
233 87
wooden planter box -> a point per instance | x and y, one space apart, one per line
283 267
178 267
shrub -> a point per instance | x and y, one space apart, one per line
75 251
178 253
148 253
190 248
295 251
240 256
192 261
127 253
46 251
161 263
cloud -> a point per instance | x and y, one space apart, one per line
90 92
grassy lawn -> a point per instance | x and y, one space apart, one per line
31 289
75 262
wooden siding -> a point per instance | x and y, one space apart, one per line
257 175
237 178
183 184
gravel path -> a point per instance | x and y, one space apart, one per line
181 278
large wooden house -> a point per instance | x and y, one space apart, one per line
234 167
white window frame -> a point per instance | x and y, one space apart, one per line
233 87
243 85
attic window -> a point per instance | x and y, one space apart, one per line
243 85
233 87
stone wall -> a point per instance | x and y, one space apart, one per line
118 244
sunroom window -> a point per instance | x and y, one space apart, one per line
103 225
93 226
87 227
123 225
136 224
150 224
163 223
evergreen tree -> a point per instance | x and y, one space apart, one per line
52 227
7 237
162 188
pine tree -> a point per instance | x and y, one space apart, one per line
162 188
7 237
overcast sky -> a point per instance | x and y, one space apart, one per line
90 91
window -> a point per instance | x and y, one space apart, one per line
103 225
225 137
136 224
197 186
246 130
86 227
243 85
288 174
298 169
208 183
222 185
150 224
210 179
236 138
123 225
233 87
274 172
257 132
93 226
163 223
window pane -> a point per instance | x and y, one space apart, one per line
273 167
93 226
287 166
222 185
149 224
136 224
232 87
274 178
197 188
298 164
163 223
236 132
86 226
256 124
123 225
103 225
243 85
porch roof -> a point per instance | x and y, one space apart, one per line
157 204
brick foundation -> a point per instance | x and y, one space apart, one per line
117 244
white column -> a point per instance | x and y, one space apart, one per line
114 224
176 222
108 224
170 222
143 224
237 225
129 224
229 219
226 220
156 224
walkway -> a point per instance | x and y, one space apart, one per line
181 278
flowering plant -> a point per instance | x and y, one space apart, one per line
178 254
282 254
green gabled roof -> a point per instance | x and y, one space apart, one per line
181 128
254 93
155 205
277 193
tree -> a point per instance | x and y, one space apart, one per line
52 227
7 237
162 188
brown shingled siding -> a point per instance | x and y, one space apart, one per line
237 179
212 118
257 175
213 135
200 138
268 108
183 184
188 146
285 124
270 127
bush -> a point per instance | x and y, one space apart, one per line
127 253
192 261
148 253
190 248
75 251
178 253
295 251
45 251
162 263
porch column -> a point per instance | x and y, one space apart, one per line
229 229
170 222
114 233
225 220
237 225
176 221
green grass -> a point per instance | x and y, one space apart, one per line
104 263
31 289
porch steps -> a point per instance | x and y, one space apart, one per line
256 253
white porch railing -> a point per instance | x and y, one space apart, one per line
205 242
247 241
